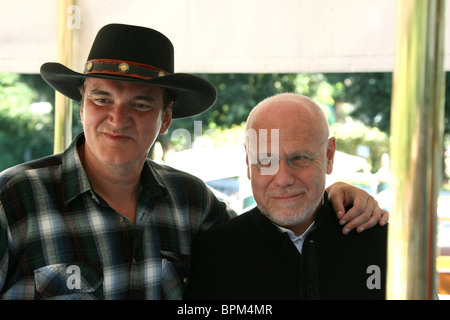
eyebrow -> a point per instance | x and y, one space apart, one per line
100 92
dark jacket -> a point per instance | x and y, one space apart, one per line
250 258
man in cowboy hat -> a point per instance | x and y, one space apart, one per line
100 220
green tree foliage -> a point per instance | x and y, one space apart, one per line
26 128
352 134
447 103
369 93
237 95
26 134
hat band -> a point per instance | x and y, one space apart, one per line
123 68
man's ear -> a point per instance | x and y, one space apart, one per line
247 162
82 112
331 150
166 120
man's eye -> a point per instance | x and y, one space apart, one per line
100 101
265 162
299 161
142 106
297 158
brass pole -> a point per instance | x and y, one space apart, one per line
63 105
416 148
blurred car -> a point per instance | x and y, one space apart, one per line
353 170
223 169
443 245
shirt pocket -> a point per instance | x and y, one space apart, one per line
69 281
175 275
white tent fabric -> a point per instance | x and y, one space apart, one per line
216 36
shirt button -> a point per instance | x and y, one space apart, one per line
311 241
311 292
185 280
122 219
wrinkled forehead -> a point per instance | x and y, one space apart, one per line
278 141
287 125
285 134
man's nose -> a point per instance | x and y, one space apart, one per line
119 115
285 175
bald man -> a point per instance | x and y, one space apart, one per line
291 245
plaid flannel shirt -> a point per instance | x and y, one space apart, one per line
60 240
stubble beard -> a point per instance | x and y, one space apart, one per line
290 213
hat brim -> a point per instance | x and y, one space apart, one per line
193 95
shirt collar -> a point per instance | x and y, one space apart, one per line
292 234
299 240
304 234
151 180
73 177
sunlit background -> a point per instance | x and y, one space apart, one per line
350 77
210 145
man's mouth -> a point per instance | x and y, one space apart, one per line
287 196
116 137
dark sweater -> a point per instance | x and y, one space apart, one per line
248 257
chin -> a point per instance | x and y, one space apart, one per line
290 219
284 216
119 162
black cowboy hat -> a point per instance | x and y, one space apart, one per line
137 54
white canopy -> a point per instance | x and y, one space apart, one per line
216 36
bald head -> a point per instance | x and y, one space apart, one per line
290 114
289 154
